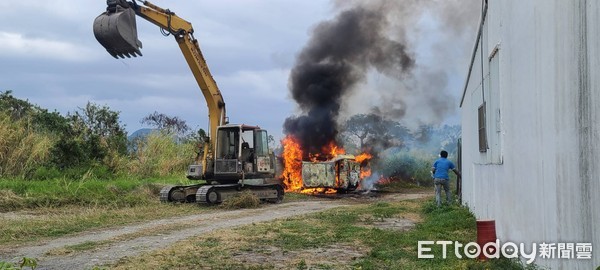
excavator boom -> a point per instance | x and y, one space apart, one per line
236 157
116 31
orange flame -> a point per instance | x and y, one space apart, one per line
318 191
383 180
362 157
333 150
328 152
292 159
365 171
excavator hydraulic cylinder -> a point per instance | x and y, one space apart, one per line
117 32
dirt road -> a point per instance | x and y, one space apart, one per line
111 245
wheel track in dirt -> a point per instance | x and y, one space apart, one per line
195 225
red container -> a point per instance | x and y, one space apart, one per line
486 233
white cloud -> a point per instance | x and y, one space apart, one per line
63 9
17 45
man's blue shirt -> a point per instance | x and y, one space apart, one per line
442 165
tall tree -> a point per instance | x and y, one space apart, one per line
100 130
171 124
365 126
376 133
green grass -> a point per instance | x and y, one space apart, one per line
24 263
121 192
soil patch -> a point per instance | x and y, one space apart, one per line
396 224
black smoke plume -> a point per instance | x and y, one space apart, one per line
338 56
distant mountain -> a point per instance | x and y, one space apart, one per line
140 133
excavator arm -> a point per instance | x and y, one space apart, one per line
116 30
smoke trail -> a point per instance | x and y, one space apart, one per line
441 35
369 182
338 57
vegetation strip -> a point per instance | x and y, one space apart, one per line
352 232
36 225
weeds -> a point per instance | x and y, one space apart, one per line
245 199
122 192
46 223
10 201
22 149
25 263
160 155
7 266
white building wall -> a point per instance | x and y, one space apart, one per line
539 179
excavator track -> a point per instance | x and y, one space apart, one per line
181 194
164 193
215 194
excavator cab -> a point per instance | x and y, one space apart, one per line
116 30
241 152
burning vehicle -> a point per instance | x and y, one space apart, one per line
333 64
340 173
328 172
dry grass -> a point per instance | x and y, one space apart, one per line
160 155
245 199
149 189
10 201
22 149
48 223
212 251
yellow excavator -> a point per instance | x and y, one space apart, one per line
235 157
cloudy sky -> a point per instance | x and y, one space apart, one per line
49 55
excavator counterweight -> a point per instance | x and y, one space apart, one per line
116 31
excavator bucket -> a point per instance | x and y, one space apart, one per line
117 33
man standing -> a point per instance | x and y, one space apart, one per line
441 178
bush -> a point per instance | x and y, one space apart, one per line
412 167
46 173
